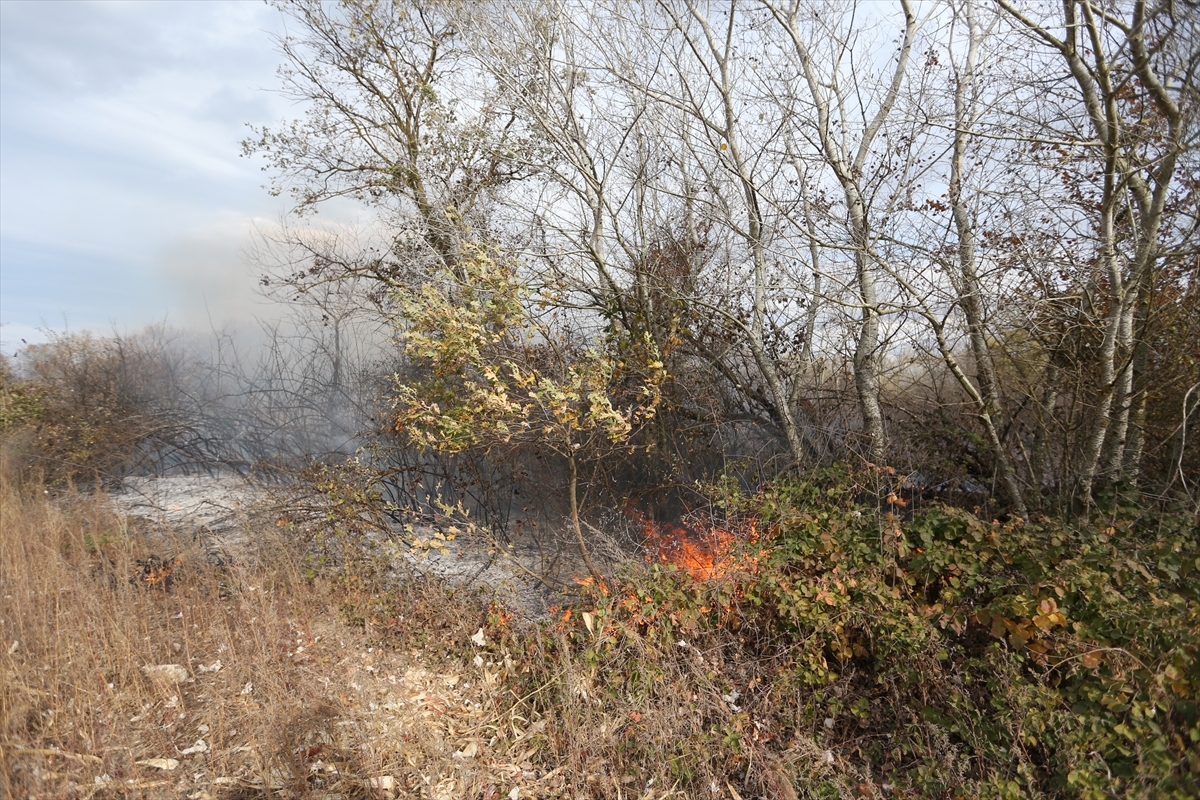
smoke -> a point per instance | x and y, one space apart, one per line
211 277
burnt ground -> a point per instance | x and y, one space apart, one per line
221 513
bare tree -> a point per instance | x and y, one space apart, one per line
845 130
793 201
1133 94
393 120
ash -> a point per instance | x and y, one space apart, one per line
214 510
222 512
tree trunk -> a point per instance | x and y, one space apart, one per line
572 494
988 404
847 165
866 348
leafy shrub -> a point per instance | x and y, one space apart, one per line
942 654
1103 620
1056 656
836 650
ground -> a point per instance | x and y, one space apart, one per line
169 641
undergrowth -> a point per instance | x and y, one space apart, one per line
841 651
132 667
853 652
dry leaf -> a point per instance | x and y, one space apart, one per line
166 673
200 746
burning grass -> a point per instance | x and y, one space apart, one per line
133 667
798 659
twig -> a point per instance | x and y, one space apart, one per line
39 751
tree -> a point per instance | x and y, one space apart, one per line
836 96
1134 85
392 120
494 374
811 215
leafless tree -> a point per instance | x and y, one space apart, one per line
775 190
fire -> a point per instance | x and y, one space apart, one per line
703 550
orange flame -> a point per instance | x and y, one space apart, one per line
703 550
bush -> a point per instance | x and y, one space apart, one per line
942 655
1057 656
85 408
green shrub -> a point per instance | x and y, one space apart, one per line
944 654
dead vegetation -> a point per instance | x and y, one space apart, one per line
132 667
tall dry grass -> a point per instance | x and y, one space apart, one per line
91 622
254 679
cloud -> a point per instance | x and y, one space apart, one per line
121 124
72 49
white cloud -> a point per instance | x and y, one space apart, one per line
121 164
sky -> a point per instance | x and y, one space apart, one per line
124 199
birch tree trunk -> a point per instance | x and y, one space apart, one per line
847 163
1136 183
987 399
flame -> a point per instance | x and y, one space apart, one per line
588 582
703 550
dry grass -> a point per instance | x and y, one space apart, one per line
340 686
276 694
87 605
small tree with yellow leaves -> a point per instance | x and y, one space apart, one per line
490 373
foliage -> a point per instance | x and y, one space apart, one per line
495 372
946 655
21 404
1057 656
489 373
1104 622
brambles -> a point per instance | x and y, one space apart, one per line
841 649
